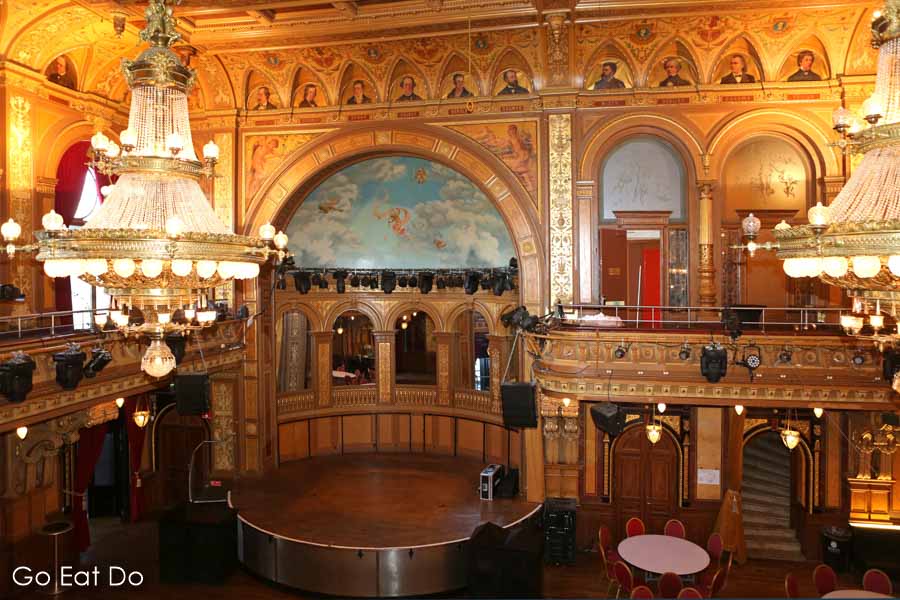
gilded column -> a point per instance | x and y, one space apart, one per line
224 387
498 349
561 218
386 364
21 187
321 365
707 263
446 365
222 190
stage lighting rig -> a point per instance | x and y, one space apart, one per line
685 352
751 359
100 357
713 362
388 281
413 281
500 283
621 351
340 281
354 280
859 359
302 282
402 281
16 377
69 366
732 322
473 278
426 282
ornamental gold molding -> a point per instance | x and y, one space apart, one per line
20 157
562 236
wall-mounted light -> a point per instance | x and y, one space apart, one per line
661 407
22 432
818 411
120 402
739 409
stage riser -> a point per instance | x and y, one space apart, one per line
351 572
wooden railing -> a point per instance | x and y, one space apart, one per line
416 396
355 395
301 401
474 400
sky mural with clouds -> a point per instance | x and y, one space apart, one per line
398 212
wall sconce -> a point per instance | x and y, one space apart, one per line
22 432
69 367
16 376
120 402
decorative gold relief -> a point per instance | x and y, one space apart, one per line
223 423
561 221
385 356
21 182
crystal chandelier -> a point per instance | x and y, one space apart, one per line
155 243
854 243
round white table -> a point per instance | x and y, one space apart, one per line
854 594
663 554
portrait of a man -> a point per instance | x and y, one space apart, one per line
408 90
673 67
512 84
359 93
459 88
263 101
738 72
608 79
309 96
59 74
804 71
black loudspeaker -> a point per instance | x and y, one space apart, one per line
197 544
608 417
519 409
509 485
192 394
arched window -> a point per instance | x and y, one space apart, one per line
416 349
353 350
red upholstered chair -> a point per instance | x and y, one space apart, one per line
607 554
825 579
689 593
624 578
634 526
877 581
715 547
791 587
642 592
669 585
716 585
675 528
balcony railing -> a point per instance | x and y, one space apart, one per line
795 319
46 324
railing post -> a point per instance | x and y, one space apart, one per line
52 324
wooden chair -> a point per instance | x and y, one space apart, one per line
715 547
607 555
825 579
642 592
689 593
624 578
716 585
791 587
634 526
675 528
876 580
669 585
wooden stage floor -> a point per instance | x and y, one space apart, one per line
373 501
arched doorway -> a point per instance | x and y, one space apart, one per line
174 440
645 478
474 370
771 474
416 349
353 349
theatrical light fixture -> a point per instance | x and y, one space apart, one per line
323 282
685 352
364 281
785 356
513 317
441 283
500 284
301 282
373 283
340 281
858 359
413 281
354 281
120 402
713 362
98 361
739 409
404 325
661 407
790 437
620 351
402 281
752 359
69 366
388 281
818 411
16 376
22 432
316 279
426 282
473 278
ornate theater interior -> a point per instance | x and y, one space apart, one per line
396 298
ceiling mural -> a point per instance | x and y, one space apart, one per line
398 212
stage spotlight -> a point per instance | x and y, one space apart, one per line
732 322
685 352
752 359
500 283
513 263
513 317
457 281
785 356
859 359
485 282
413 281
99 359
317 280
441 284
354 280
373 284
364 281
713 362
402 281
16 377
340 281
530 322
473 278
323 281
69 367
388 281
302 282
620 351
426 282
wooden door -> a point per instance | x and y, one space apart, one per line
614 265
645 480
176 438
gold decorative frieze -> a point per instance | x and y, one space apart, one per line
562 235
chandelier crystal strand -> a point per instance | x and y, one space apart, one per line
155 244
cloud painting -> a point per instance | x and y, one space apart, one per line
398 212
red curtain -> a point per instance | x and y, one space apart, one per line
650 291
90 444
69 182
136 436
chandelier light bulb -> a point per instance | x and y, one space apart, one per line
96 266
782 225
10 230
739 409
163 318
53 268
101 319
835 266
280 240
226 269
123 267
151 267
205 317
120 402
866 267
841 118
877 322
654 433
894 264
267 232
794 267
206 268
182 267
75 267
99 142
340 331
190 313
790 437
174 226
158 360
661 407
211 151
52 221
141 418
873 107
128 137
22 432
404 325
819 215
112 149
174 142
818 411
